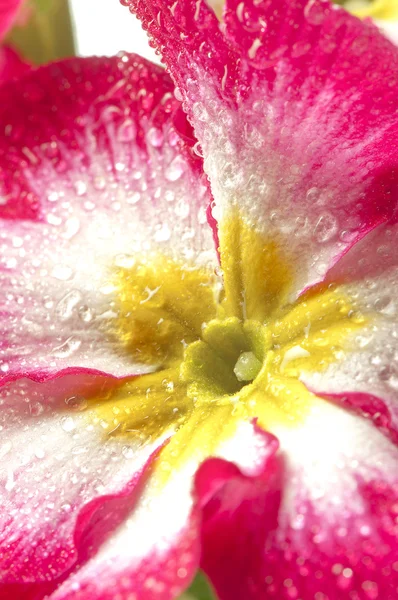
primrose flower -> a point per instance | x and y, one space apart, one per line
185 387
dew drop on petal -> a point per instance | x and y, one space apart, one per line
67 348
68 424
86 314
62 272
326 228
67 304
76 403
80 188
155 137
163 233
315 12
127 452
175 169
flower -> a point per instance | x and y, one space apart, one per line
159 414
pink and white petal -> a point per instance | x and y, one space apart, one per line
8 12
60 468
11 64
327 533
96 165
366 378
156 551
293 103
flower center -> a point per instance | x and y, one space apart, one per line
229 355
238 354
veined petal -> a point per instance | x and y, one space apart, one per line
293 104
326 529
97 167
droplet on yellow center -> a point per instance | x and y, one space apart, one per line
247 367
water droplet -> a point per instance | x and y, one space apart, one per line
36 408
251 53
62 272
155 137
76 403
53 196
177 94
72 227
163 234
39 453
133 198
326 228
300 48
99 183
67 348
175 169
67 304
68 424
315 12
127 452
127 131
182 209
53 219
80 188
86 314
126 261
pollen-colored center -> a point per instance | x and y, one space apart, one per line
220 354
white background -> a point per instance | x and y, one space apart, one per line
105 27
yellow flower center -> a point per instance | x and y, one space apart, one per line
220 355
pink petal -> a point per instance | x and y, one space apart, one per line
98 526
8 12
320 526
96 165
11 65
156 552
293 102
62 479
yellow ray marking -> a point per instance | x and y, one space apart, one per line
161 306
257 279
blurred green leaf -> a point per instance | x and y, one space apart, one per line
200 589
46 34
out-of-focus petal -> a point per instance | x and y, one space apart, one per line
326 529
96 166
11 64
293 103
8 12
